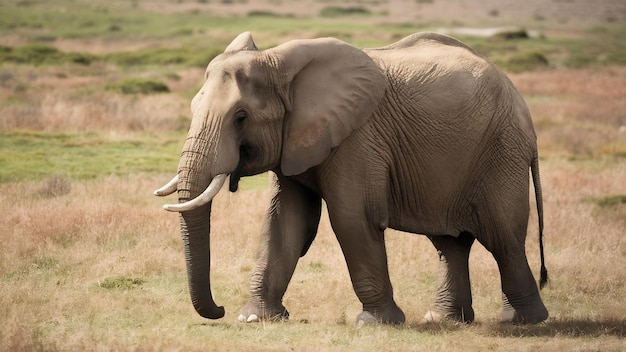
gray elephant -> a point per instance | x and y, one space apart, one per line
423 136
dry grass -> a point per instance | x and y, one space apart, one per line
62 257
578 112
65 99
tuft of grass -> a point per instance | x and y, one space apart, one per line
55 186
139 86
121 283
45 263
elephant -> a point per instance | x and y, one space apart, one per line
424 136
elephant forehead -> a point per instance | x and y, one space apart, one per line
217 93
232 62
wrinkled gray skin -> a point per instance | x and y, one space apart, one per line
423 136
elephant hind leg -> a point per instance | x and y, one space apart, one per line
522 303
454 296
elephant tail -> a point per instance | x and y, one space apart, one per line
534 168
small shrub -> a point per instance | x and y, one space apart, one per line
56 186
262 13
45 263
336 11
139 86
523 61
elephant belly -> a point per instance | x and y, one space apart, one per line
427 205
418 223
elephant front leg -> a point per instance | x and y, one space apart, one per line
454 296
364 251
289 229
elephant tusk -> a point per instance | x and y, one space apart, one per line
206 196
168 189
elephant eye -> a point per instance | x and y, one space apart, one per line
240 118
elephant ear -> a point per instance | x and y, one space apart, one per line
333 89
242 42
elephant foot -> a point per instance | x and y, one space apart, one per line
512 316
531 311
254 313
461 315
392 316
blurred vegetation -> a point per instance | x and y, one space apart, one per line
140 43
337 11
139 86
187 56
39 54
55 186
194 37
612 200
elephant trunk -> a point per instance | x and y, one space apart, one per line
195 229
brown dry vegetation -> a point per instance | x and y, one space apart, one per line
66 99
577 112
96 264
59 251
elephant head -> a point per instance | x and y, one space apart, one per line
281 109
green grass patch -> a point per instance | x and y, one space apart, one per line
39 54
527 54
256 182
185 56
45 263
26 155
59 158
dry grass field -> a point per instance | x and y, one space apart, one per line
89 260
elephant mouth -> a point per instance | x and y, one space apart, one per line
247 153
235 176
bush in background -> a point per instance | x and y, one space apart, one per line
139 86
